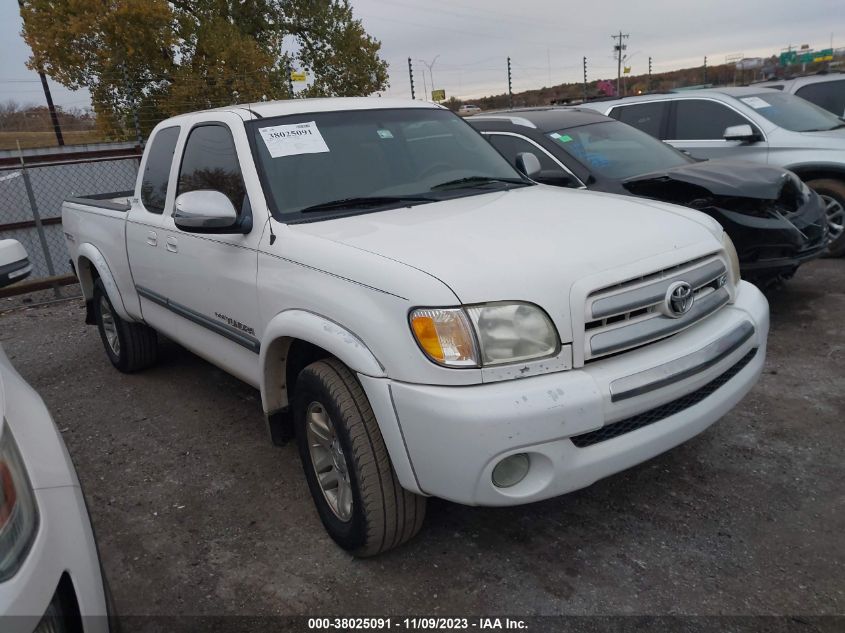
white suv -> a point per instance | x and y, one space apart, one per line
756 124
826 91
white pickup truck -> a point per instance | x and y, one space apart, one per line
423 318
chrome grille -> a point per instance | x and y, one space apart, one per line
630 314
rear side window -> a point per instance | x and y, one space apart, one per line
647 117
829 95
211 162
697 119
157 169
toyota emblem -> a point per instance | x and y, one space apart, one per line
679 299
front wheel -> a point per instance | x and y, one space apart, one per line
832 193
129 346
358 497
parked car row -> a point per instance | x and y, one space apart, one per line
774 219
420 310
423 318
756 124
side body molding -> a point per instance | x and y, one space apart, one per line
317 330
86 280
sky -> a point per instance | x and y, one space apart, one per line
467 42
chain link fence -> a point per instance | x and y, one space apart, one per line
31 195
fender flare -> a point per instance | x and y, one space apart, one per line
92 254
318 330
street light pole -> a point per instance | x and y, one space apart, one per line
430 71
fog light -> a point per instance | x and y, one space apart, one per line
511 470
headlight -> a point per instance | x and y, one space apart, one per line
733 258
485 334
512 332
18 512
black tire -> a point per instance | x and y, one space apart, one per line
833 193
383 514
136 345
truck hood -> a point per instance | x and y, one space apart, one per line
722 178
521 244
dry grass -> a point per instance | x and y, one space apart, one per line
8 140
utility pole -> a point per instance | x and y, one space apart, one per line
648 85
618 48
585 79
411 77
510 90
54 117
705 70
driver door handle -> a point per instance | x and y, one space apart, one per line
172 245
152 239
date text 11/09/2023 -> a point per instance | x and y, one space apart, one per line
418 623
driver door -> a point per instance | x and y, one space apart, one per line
211 273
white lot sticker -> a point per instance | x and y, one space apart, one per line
756 102
290 140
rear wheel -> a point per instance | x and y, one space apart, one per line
129 346
358 497
832 193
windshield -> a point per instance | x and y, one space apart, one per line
332 162
792 113
617 150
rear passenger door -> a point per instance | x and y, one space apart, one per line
698 127
144 235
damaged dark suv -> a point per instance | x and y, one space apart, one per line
775 220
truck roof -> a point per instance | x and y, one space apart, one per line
264 109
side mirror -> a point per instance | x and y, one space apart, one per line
528 164
742 133
14 262
556 178
204 209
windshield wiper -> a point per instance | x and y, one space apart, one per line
827 129
476 181
364 202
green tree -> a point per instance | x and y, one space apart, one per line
172 57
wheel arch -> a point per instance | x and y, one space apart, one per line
90 266
296 338
815 171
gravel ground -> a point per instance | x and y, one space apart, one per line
196 512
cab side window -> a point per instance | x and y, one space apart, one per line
647 117
210 161
698 119
157 169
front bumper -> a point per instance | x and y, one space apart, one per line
776 245
454 436
63 548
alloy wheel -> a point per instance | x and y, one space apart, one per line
835 213
328 460
109 326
